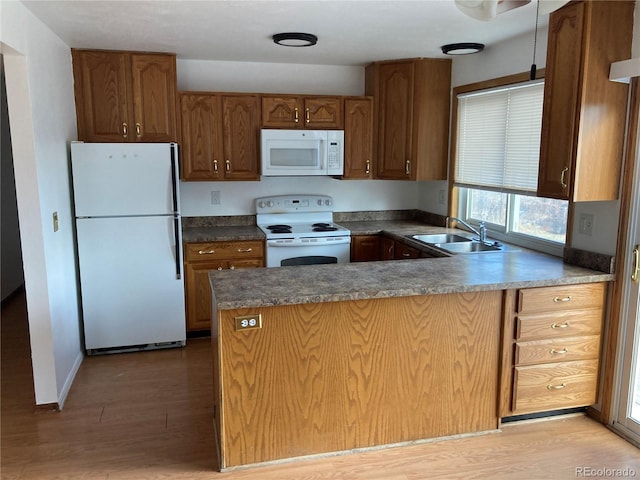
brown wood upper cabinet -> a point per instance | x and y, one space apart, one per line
219 136
412 117
358 137
583 116
125 96
295 111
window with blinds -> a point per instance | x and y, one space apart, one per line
498 138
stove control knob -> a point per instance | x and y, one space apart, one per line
320 202
261 204
270 203
327 202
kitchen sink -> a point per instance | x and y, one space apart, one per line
440 238
469 247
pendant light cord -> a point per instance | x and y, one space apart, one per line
532 75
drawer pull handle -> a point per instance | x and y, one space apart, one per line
553 351
562 299
219 268
556 387
245 250
232 267
206 252
405 254
562 325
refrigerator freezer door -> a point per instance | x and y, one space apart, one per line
131 294
113 179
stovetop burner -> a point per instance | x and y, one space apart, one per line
323 227
279 228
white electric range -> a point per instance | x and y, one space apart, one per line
300 230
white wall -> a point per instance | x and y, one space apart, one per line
42 119
237 197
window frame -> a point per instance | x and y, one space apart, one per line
458 195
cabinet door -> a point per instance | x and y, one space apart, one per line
241 126
281 111
198 292
201 127
365 248
102 96
154 97
358 137
387 252
395 120
323 113
559 119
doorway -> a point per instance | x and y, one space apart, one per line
626 418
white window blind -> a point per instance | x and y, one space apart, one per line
498 143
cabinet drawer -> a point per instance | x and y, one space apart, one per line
557 350
567 323
563 297
206 252
403 251
555 385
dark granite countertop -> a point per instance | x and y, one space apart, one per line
340 282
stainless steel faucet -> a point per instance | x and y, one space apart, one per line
482 233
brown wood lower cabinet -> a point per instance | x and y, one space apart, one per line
202 257
365 248
551 348
335 376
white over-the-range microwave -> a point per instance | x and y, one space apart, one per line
302 152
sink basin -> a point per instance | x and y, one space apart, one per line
468 247
439 238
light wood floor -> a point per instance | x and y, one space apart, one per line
147 416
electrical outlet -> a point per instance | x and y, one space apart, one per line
215 197
248 322
585 223
56 225
441 197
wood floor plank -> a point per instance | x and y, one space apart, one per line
147 416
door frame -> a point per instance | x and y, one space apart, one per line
616 321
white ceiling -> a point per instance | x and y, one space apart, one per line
350 32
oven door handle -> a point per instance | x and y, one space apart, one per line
298 242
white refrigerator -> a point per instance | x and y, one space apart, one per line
129 241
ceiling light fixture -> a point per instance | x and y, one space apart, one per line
295 39
462 48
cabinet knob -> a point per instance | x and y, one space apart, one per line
232 267
219 268
407 167
125 130
138 130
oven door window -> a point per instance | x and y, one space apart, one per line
313 260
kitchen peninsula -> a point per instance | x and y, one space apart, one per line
332 358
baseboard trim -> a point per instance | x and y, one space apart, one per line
69 381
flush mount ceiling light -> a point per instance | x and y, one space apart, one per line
462 48
295 39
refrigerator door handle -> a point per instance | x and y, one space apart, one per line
176 232
174 179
